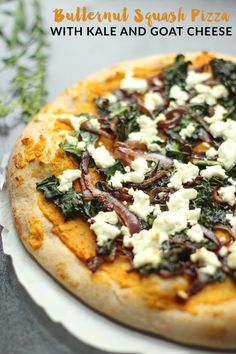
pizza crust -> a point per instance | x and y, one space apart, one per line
204 324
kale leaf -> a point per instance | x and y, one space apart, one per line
49 187
212 213
110 171
173 150
70 202
72 149
127 122
88 137
110 109
225 71
184 122
176 73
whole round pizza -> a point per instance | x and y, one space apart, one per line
124 190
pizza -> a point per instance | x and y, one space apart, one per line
124 190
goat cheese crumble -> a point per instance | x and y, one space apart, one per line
184 173
131 84
101 156
67 178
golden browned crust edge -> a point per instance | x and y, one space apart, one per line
204 329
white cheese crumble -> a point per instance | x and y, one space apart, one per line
72 140
152 100
178 217
232 260
227 153
139 167
184 173
140 164
232 256
141 204
157 82
209 95
104 227
211 153
94 123
67 178
223 251
179 95
194 78
146 244
207 260
232 221
170 222
147 133
232 181
195 233
219 115
145 248
74 121
180 199
227 194
131 84
225 129
213 171
101 156
110 97
188 131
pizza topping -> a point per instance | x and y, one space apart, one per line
147 133
101 156
157 177
195 233
188 131
213 171
227 154
152 100
180 96
227 194
194 78
207 260
67 178
139 168
141 205
131 84
106 230
184 173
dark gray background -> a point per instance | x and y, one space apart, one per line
24 327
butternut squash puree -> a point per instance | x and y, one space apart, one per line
202 59
36 235
19 161
62 161
59 126
145 72
75 233
34 150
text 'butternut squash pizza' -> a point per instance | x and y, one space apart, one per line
124 189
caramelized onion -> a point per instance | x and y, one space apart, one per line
173 117
126 155
121 194
149 182
210 235
111 203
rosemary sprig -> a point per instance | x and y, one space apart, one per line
26 48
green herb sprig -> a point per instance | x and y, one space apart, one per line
26 61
